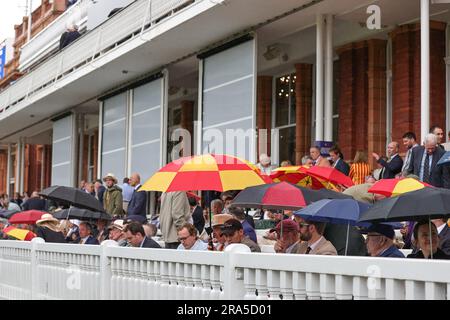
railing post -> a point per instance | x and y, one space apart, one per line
34 268
105 270
234 288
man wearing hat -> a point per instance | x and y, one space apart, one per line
288 236
380 241
116 233
234 233
218 221
112 200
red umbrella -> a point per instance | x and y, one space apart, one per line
26 217
331 174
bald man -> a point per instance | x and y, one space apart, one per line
138 203
393 165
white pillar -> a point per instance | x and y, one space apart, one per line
329 60
30 11
8 170
319 78
425 67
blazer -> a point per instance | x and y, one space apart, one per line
392 167
91 240
138 203
439 175
444 239
342 166
150 243
324 247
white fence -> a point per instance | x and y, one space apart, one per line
38 270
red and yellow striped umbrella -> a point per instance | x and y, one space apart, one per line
19 234
298 175
395 187
204 172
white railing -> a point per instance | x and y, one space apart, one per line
38 270
125 25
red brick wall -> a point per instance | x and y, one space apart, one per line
3 170
303 93
264 108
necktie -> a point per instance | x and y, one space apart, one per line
426 169
308 250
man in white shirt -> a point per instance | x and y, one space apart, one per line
187 235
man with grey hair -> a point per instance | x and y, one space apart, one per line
424 163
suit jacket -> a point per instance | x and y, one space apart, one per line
342 166
138 203
392 167
199 220
444 239
91 240
439 175
324 247
150 243
392 252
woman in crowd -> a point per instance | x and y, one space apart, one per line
427 243
360 169
48 228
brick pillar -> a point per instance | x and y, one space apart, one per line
3 170
406 78
187 120
48 166
264 109
353 98
376 98
303 93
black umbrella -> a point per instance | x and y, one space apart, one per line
76 197
7 213
81 214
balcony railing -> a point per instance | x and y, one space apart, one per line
122 27
38 270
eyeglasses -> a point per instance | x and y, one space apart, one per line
183 238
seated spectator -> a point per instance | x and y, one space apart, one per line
150 230
219 240
380 241
8 205
69 36
116 233
315 243
35 203
187 235
135 235
48 229
422 241
234 233
73 234
239 214
288 237
86 236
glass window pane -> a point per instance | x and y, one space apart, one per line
282 101
287 144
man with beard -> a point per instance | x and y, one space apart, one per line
311 232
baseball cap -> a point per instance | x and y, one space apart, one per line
231 226
383 229
288 225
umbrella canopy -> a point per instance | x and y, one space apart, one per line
205 172
26 217
73 196
276 196
297 175
445 159
19 234
395 187
331 175
7 213
81 214
421 204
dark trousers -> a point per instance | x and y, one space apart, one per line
172 245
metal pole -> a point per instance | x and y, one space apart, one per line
319 78
425 67
329 80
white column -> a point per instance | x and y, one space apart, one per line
8 170
80 136
425 67
30 11
329 80
319 78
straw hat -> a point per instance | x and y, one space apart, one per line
220 219
118 224
47 217
110 176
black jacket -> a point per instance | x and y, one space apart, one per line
138 203
438 255
444 240
342 166
49 235
391 168
67 38
439 175
35 204
199 220
150 243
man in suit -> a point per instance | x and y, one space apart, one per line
99 190
439 133
197 215
85 231
410 142
311 232
424 163
380 242
444 234
135 235
288 236
338 160
174 213
393 165
138 202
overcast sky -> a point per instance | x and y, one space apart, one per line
11 13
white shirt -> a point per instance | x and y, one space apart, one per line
315 244
83 240
439 229
198 245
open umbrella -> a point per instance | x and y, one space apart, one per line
81 214
395 187
297 175
204 172
445 159
337 211
331 174
26 217
19 234
73 196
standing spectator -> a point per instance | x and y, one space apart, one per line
116 233
239 215
86 236
112 201
82 185
89 188
138 202
359 169
48 229
264 164
135 235
393 165
99 190
197 215
317 158
424 163
234 233
288 237
307 161
338 160
35 203
174 213
127 193
409 141
217 206
315 243
70 35
422 240
380 241
444 234
439 133
187 235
